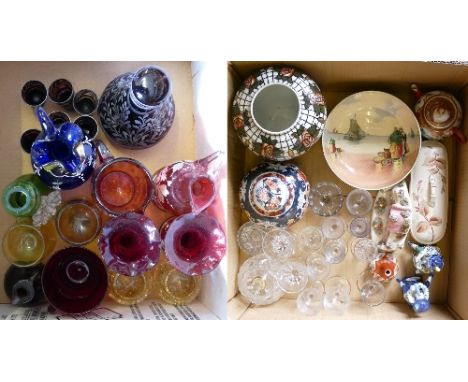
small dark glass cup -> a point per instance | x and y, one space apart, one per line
34 93
59 117
85 102
28 138
88 125
61 92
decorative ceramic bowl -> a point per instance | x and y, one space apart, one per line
274 193
371 140
279 113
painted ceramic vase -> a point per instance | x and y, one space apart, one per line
275 193
61 156
279 113
439 114
129 244
121 185
391 218
22 197
188 186
416 292
371 140
74 280
385 268
427 258
23 285
136 110
429 193
195 243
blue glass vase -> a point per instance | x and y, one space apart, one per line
62 156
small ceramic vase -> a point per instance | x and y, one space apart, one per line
439 114
127 290
23 285
257 281
188 186
173 286
385 268
195 244
22 197
429 193
416 292
427 258
25 245
274 193
391 218
279 113
121 185
129 244
74 280
78 222
61 156
137 109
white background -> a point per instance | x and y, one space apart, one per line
218 31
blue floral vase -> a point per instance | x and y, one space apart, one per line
137 109
61 156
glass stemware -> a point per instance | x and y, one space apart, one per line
310 239
127 290
279 243
292 276
257 281
333 227
359 227
337 295
359 202
309 301
317 267
365 250
325 199
250 238
335 251
372 292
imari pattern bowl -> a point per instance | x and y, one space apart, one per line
275 193
279 113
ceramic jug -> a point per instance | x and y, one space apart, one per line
188 186
137 109
61 156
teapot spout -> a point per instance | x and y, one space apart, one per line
416 91
47 125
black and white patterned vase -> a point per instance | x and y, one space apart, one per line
137 109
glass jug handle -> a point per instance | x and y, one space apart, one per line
47 125
103 152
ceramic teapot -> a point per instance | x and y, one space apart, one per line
439 114
427 258
416 292
62 157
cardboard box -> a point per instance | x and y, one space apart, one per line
189 138
338 80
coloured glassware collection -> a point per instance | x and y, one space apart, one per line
135 260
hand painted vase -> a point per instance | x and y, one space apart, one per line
61 156
279 113
391 218
129 244
195 243
188 186
385 268
121 185
275 194
173 286
137 109
23 285
429 193
427 258
416 292
22 197
74 280
439 114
